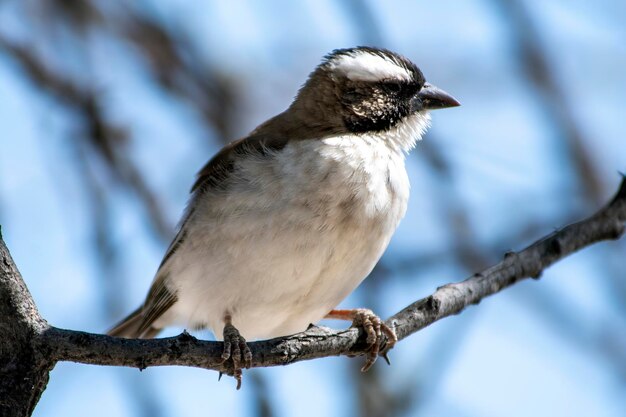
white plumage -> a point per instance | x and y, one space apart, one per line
280 251
366 66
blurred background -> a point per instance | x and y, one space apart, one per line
108 109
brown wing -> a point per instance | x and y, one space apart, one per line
140 322
217 171
158 301
215 174
177 242
273 135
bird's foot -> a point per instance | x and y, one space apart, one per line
236 349
380 337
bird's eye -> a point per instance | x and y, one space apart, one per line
393 86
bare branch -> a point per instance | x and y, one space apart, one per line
23 328
606 224
320 342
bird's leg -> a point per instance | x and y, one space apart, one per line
236 349
379 335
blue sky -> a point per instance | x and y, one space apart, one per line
541 348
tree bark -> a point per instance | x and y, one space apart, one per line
29 347
23 368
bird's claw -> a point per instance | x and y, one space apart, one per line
237 350
380 337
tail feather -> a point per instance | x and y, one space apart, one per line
130 327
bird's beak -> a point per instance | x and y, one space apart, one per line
433 98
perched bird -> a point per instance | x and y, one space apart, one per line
283 224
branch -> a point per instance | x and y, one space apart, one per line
51 344
23 372
319 342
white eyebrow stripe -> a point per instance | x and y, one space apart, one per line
365 66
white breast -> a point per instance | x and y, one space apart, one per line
287 246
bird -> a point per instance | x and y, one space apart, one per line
285 223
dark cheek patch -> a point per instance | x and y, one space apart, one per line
372 111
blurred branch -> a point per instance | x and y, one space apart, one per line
533 57
261 404
29 347
533 60
176 65
105 138
471 256
112 279
179 67
603 337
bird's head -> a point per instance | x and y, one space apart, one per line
367 89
